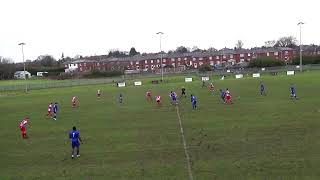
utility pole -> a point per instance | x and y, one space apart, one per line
24 65
160 34
300 25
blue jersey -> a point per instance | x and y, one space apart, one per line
55 108
262 87
223 94
74 136
193 99
173 96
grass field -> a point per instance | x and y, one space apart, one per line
271 137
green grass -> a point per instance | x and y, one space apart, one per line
256 138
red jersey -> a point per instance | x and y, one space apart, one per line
50 108
23 124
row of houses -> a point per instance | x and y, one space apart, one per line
152 62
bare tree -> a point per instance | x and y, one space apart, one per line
212 49
47 61
239 44
288 41
7 68
133 52
181 50
269 43
196 49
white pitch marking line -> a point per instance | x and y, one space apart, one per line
184 145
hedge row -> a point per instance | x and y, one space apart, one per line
97 74
265 62
307 60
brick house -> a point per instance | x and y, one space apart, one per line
152 62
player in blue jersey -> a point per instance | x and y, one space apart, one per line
262 89
74 136
222 95
173 97
55 111
193 102
293 92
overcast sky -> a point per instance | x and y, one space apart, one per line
89 27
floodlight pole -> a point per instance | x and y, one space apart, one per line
300 25
24 65
160 33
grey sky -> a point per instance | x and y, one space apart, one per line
89 27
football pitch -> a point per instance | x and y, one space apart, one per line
257 137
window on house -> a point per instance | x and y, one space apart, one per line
231 55
224 56
276 53
185 58
146 62
179 59
164 60
193 59
131 63
241 55
137 62
158 61
201 58
172 59
268 54
210 58
217 57
151 61
249 54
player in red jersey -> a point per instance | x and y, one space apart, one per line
23 127
148 95
74 101
228 97
98 93
158 100
50 108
